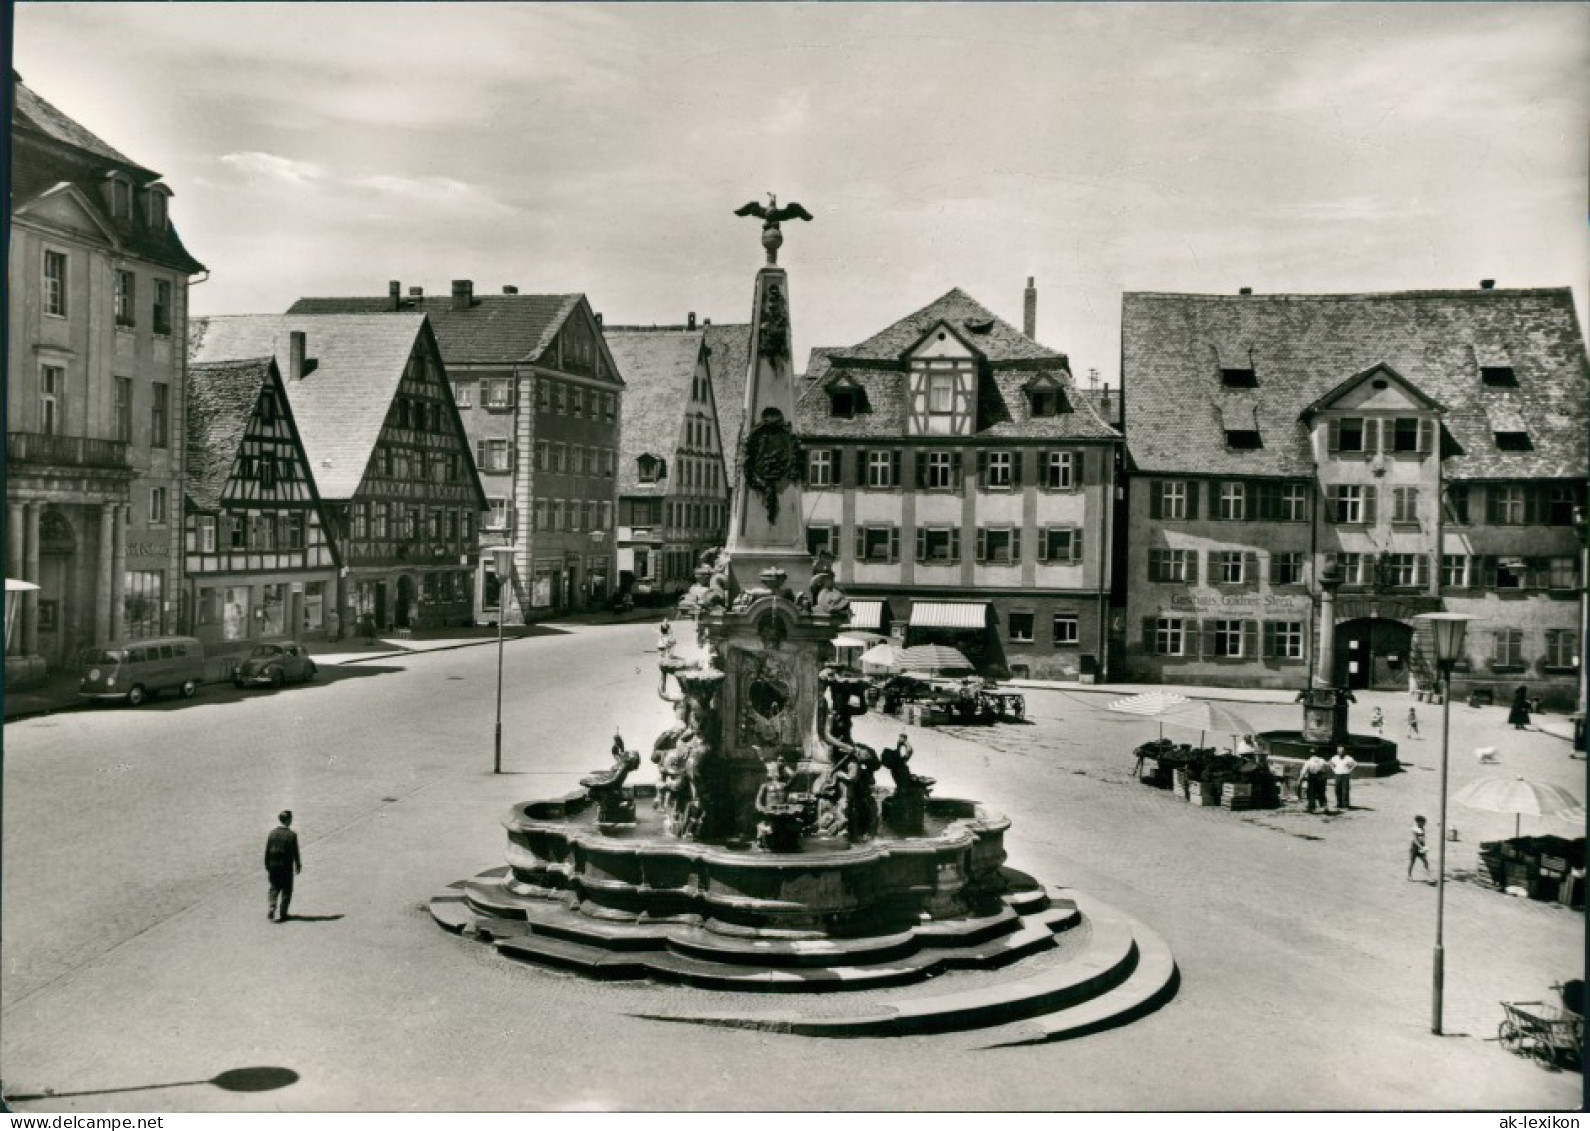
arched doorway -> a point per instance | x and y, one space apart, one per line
403 614
1372 653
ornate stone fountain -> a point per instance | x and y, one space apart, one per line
767 855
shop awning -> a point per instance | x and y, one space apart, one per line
866 615
949 614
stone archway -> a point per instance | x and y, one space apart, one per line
1373 653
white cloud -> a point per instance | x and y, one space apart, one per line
441 192
269 166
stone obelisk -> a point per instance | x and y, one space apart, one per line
767 523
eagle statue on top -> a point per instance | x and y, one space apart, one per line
771 214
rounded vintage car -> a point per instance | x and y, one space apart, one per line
271 665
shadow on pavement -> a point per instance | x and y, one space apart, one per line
263 1078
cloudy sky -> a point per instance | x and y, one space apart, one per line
325 149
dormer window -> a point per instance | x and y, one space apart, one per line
1238 377
1499 376
155 198
1513 442
846 399
1046 397
1243 439
650 469
120 198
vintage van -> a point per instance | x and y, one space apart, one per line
136 670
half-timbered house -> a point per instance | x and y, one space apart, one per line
388 454
259 562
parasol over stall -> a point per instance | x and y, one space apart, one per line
1208 718
1518 796
1149 704
935 659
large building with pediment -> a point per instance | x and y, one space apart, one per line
1428 447
97 301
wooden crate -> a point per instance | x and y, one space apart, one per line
1236 789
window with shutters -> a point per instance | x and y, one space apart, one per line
1229 567
998 473
1281 502
1021 628
538 515
1059 470
461 393
1350 567
999 545
1350 503
1507 648
1233 501
1286 568
1173 566
1410 434
159 415
1562 573
1067 630
495 456
1562 651
543 455
382 521
1283 639
822 538
1405 506
1170 636
938 545
497 514
820 467
1454 571
496 392
1228 639
940 474
877 543
1061 544
1168 499
1349 434
881 468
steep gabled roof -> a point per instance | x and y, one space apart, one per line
494 329
728 360
341 405
992 337
658 367
222 397
1305 346
50 150
1380 370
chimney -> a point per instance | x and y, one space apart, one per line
463 294
1029 321
395 292
509 289
1487 284
295 355
706 321
598 316
1245 291
416 292
690 322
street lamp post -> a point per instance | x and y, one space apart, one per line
502 565
1448 630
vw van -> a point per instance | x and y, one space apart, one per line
136 670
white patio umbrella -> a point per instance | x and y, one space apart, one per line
934 659
883 659
1205 717
1518 796
857 640
1150 703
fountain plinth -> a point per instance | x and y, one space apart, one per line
767 856
1325 707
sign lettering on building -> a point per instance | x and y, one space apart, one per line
1249 601
147 549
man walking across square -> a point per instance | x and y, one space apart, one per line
282 863
1416 848
1342 766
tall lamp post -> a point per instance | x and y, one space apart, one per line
502 566
1447 629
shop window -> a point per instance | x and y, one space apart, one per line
1021 628
1067 630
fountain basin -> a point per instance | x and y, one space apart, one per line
558 850
1376 757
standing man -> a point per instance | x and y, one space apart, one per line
282 863
1342 766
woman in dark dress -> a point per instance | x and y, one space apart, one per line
1519 715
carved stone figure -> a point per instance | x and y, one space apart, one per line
771 215
779 829
905 810
616 804
772 457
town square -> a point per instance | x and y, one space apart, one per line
1141 672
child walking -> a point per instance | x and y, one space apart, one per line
1377 723
1413 724
1416 848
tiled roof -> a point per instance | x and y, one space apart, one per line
658 368
1004 411
1304 346
495 329
728 359
49 150
221 399
340 406
994 338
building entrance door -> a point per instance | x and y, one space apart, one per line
1372 653
380 606
405 602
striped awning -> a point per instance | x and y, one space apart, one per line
866 615
949 614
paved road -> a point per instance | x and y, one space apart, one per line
136 951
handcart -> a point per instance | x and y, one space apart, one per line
1547 1032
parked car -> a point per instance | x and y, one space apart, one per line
271 665
136 670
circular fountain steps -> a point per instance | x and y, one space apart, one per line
1121 972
